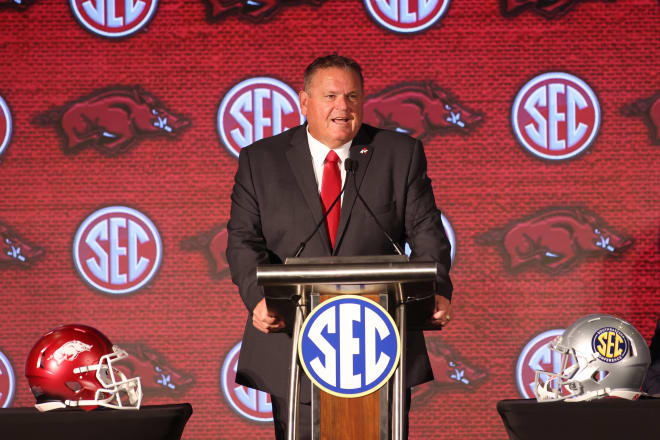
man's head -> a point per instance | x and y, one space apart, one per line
332 99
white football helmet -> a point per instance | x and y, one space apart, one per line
601 355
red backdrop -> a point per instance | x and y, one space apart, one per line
189 315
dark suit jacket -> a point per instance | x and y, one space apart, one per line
276 204
652 379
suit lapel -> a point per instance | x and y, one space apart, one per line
300 161
360 152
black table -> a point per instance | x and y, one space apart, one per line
602 419
156 422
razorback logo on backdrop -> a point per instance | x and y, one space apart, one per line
555 116
406 16
7 381
422 110
117 250
547 8
554 240
5 125
112 120
157 376
252 10
16 4
450 369
649 110
537 355
15 250
247 402
113 18
213 244
254 109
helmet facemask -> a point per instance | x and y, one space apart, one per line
118 392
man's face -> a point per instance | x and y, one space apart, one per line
333 105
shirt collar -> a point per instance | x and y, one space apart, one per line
319 150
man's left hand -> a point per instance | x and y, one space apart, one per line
443 311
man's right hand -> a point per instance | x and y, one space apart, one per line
265 321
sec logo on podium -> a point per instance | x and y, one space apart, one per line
349 346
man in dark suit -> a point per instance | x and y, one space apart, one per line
652 379
283 187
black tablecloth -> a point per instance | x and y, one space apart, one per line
156 422
601 419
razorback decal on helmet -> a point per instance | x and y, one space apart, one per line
69 351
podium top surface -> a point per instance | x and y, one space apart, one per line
345 270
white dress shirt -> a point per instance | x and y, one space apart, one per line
319 151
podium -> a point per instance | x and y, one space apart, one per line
406 290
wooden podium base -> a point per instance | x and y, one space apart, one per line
355 418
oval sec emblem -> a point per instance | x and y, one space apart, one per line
117 250
7 382
349 346
537 356
556 116
610 344
252 404
254 109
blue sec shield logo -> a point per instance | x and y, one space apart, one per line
349 346
7 382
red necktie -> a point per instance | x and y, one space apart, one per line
330 189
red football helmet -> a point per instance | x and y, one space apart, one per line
72 365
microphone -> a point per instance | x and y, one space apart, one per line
351 166
305 241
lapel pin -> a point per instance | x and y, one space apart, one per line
364 150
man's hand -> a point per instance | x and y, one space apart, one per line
443 311
265 321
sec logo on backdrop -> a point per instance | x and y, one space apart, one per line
117 250
113 18
249 403
349 346
537 355
254 109
5 125
449 230
7 382
556 116
406 16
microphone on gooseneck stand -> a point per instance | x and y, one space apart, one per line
306 240
351 166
